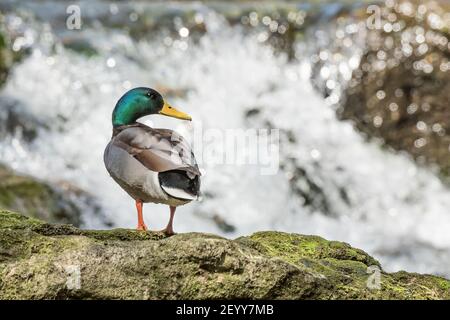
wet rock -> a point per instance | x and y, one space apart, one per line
222 224
217 219
36 199
37 259
310 192
14 120
6 56
305 182
401 90
79 45
60 202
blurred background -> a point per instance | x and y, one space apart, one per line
359 89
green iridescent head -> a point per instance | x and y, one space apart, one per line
139 102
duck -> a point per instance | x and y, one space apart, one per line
150 164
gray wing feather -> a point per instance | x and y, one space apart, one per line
157 149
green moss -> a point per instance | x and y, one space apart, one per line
123 235
345 267
114 234
36 199
444 284
9 220
127 264
294 247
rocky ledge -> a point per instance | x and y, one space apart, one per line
48 261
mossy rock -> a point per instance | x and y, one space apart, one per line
44 261
36 199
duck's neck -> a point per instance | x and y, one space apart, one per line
127 111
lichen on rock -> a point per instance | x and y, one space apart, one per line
37 261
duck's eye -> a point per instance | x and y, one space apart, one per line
151 95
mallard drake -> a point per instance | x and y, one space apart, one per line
151 165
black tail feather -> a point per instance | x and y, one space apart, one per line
179 179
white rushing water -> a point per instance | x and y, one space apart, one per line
395 210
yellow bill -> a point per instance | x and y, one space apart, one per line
170 111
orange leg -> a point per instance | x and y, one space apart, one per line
141 224
169 229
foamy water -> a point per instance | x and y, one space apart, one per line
394 210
